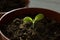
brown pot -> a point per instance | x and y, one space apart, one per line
28 11
13 5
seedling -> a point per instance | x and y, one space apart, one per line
37 18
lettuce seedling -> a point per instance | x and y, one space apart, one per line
37 18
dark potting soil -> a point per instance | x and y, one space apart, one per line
45 29
7 5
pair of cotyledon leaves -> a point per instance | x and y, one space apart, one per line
37 18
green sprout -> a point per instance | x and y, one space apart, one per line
37 18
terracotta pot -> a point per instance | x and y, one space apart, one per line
27 11
14 5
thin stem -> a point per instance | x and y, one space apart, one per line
33 25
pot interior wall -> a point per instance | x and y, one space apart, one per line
30 12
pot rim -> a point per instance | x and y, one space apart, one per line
10 12
24 8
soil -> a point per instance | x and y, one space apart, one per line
45 29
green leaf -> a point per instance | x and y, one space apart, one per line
39 17
27 19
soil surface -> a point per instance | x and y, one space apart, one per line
45 29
